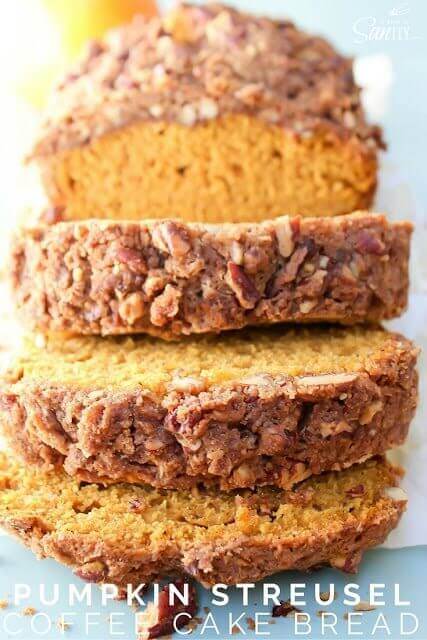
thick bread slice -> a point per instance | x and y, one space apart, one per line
240 410
216 114
170 278
128 534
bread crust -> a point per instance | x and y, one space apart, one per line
241 554
265 430
170 278
220 115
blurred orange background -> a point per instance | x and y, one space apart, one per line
52 34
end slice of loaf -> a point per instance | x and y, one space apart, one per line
131 535
170 278
224 116
244 409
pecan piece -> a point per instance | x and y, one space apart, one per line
349 564
172 238
244 289
131 308
370 411
164 618
284 609
396 493
368 243
356 492
130 257
165 306
137 504
284 236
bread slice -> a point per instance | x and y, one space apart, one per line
209 114
128 534
170 278
244 409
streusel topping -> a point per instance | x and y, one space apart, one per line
199 63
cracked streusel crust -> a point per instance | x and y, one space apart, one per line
171 279
209 114
244 409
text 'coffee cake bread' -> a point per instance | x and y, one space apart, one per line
128 534
170 278
239 410
211 113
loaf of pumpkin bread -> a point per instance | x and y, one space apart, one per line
209 113
170 278
243 409
132 535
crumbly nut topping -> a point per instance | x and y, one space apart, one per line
198 63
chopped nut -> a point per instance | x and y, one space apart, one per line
244 474
156 110
369 412
77 274
29 611
4 604
333 428
284 609
243 287
128 255
349 564
191 445
132 308
62 625
208 108
369 243
251 624
363 606
308 268
165 306
251 94
326 379
188 384
154 284
236 252
154 444
349 119
257 379
324 596
187 116
396 493
172 238
284 236
307 306
323 262
137 504
356 492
